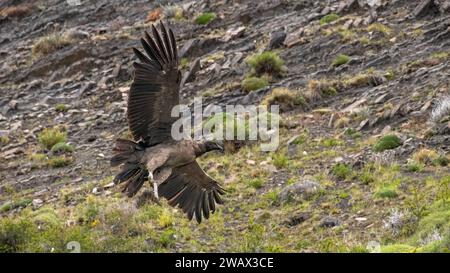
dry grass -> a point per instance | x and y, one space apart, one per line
49 44
286 99
154 15
322 88
17 11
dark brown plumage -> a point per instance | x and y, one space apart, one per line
153 155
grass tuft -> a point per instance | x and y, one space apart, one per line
287 99
267 62
340 60
49 44
51 136
254 83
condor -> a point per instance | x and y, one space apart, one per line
153 155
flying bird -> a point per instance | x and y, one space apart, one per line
153 155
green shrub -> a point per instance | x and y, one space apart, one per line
62 147
328 18
341 171
205 18
14 234
267 62
50 136
340 60
386 143
253 83
61 107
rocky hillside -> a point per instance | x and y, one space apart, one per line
364 140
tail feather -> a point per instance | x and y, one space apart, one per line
133 173
135 183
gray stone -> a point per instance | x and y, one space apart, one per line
190 75
276 39
304 189
425 7
329 221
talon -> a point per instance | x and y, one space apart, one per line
155 190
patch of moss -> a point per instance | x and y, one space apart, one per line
62 147
398 248
205 18
386 143
328 18
61 108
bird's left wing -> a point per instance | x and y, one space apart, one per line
155 88
192 190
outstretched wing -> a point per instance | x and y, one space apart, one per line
192 190
155 89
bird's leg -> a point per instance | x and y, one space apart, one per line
155 185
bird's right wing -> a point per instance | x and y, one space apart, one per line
192 190
155 88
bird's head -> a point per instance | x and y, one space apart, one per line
213 145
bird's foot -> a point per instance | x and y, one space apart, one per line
155 185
